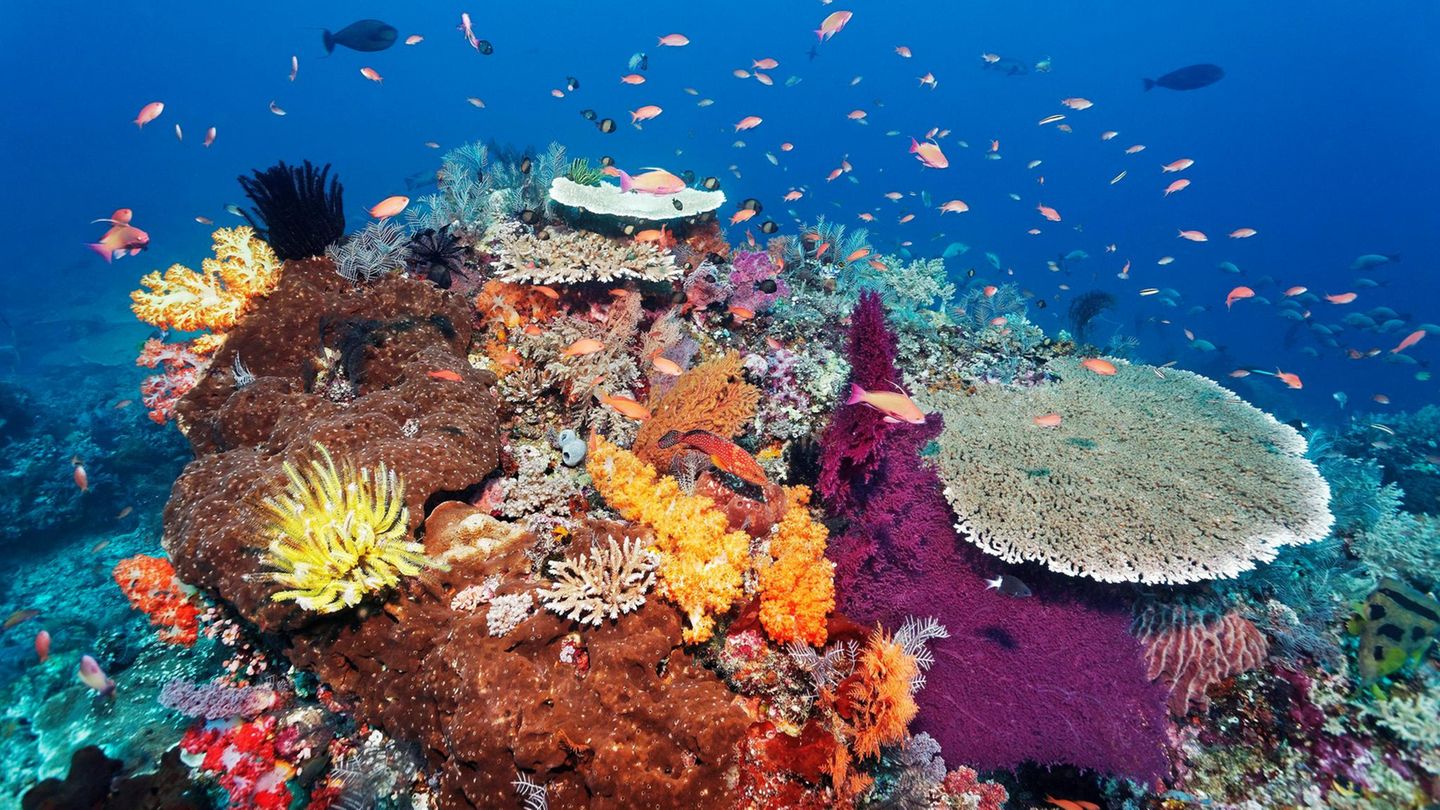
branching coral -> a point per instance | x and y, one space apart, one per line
150 585
1102 494
612 579
218 296
702 562
338 535
1190 653
797 590
572 257
712 396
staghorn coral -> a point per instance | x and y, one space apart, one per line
702 562
541 486
712 396
572 257
797 590
218 296
1402 545
1101 495
916 294
611 580
150 585
338 535
1190 651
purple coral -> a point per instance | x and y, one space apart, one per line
1051 679
748 277
216 701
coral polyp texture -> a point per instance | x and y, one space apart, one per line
573 257
339 534
1151 476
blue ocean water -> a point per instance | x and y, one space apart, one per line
1320 137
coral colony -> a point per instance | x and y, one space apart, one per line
550 495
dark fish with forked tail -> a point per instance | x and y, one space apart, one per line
1008 585
1192 77
365 35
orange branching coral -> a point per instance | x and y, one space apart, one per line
797 590
150 585
712 396
879 696
218 296
702 562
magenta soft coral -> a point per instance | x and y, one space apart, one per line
748 276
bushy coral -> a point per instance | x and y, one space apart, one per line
712 396
609 581
702 561
338 535
572 257
1100 496
218 296
797 590
755 281
216 700
181 368
150 585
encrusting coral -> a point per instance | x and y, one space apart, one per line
712 396
1105 494
339 535
797 590
572 257
702 562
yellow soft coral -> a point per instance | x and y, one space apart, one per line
218 296
702 562
338 535
797 590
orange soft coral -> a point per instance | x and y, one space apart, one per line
514 304
218 296
707 238
712 396
797 590
150 585
878 700
702 562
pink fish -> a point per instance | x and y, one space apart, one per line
123 239
897 406
674 40
655 181
929 154
1237 294
42 645
94 677
833 24
149 113
1410 340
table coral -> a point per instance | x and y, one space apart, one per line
572 257
701 560
1101 495
712 396
797 590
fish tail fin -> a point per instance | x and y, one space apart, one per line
820 34
626 182
994 583
1149 83
857 394
104 252
914 145
328 39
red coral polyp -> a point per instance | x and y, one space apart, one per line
150 585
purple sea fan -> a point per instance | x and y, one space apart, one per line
756 281
216 701
1052 678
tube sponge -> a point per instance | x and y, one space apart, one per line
702 562
1153 477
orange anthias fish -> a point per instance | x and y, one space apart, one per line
929 154
1104 368
1292 380
654 181
1194 236
1342 298
445 374
1410 340
625 406
82 479
123 239
389 207
1071 804
149 113
582 347
833 24
1048 420
896 405
723 453
1237 294
1048 212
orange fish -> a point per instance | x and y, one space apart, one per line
1342 298
389 207
1048 420
1237 294
1292 380
741 216
1295 291
1048 212
990 290
82 479
1194 236
666 366
644 113
548 292
149 113
582 347
1077 103
929 154
833 24
723 453
764 79
1382 399
857 255
632 78
1243 233
1104 368
834 174
741 314
765 64
414 39
1178 185
903 51
42 645
878 265
1240 372
1177 165
625 406
1071 804
371 74
445 374
1410 340
897 406
787 146
748 122
793 195
954 206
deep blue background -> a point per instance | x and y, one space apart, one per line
1322 137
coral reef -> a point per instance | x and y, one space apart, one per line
1098 496
150 585
610 581
712 396
797 590
572 257
606 199
218 296
376 250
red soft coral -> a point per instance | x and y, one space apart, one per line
150 585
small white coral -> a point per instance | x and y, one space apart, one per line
507 612
610 581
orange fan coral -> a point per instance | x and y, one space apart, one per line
219 295
702 562
878 699
150 585
712 396
797 590
514 304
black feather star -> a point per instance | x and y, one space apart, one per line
302 216
437 256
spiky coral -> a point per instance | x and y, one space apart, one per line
609 581
573 257
150 585
879 697
218 296
712 396
702 562
339 535
798 588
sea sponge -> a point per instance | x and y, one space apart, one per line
712 396
1152 476
608 200
572 257
219 295
797 590
702 562
1189 653
338 535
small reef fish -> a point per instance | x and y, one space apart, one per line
1410 340
666 366
149 113
1077 103
1048 420
748 122
1178 185
389 207
445 374
1104 368
1008 585
82 478
655 181
277 109
897 406
1370 260
644 113
1191 77
954 206
632 78
1291 380
1194 236
625 406
723 453
929 154
1048 213
209 137
19 617
1071 804
94 677
833 24
372 74
414 39
294 67
1237 294
582 347
42 645
674 40
1342 298
1243 233
1177 165
122 239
